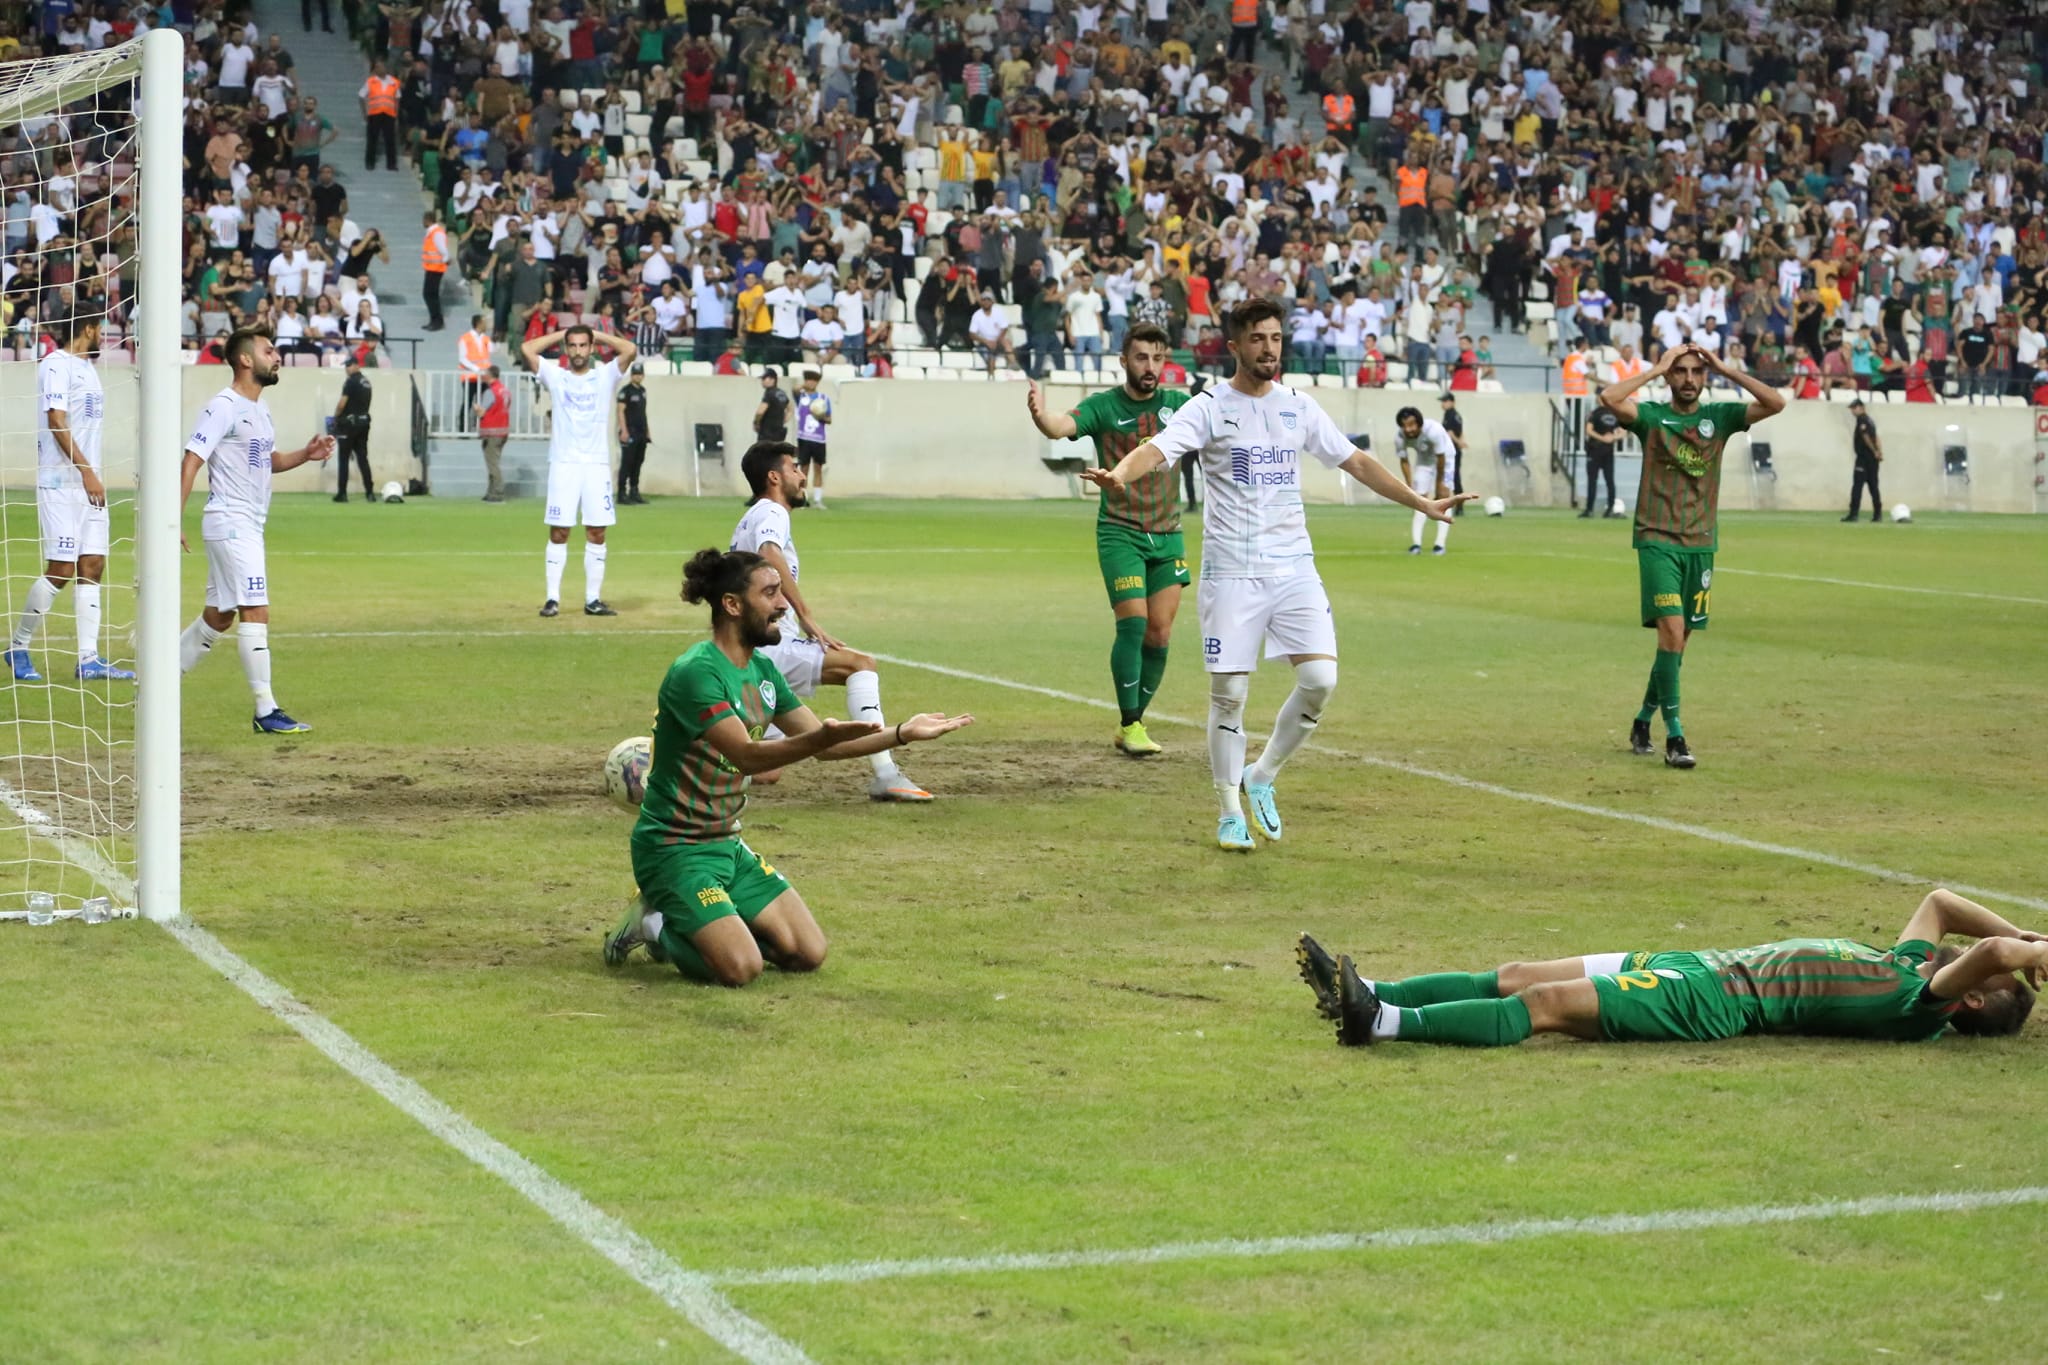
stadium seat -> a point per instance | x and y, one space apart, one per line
839 374
1299 381
686 149
921 266
1068 377
958 360
693 369
1397 373
1541 312
1492 386
632 98
942 373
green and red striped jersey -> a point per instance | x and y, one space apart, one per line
693 795
1119 424
1679 500
1833 986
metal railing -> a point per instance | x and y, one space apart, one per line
451 397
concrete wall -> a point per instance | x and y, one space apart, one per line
973 439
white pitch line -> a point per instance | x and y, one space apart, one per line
602 632
1396 1239
1656 822
690 1293
1815 578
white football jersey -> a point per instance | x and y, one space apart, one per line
582 411
766 523
1251 448
235 438
1429 445
68 384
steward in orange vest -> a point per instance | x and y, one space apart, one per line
433 266
380 112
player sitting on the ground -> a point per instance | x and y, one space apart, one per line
1825 987
707 903
1429 461
71 499
807 656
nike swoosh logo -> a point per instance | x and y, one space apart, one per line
1232 729
1699 618
1132 683
1128 422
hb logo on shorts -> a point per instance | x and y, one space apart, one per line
256 584
554 514
1212 646
66 543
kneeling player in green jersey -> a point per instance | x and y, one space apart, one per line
1678 513
707 903
1137 532
1817 987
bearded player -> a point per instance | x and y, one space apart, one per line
1429 461
1817 987
708 904
1260 587
71 500
1137 530
1678 513
579 453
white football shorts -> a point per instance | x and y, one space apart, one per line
1290 615
801 660
235 574
580 495
73 528
1422 478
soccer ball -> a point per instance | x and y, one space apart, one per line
1901 513
625 771
1620 508
394 492
1496 507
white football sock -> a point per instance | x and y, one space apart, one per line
1227 692
254 641
42 595
650 925
1443 533
558 560
1314 681
193 644
864 702
86 598
1415 529
593 572
1387 1023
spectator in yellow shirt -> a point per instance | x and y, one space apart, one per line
755 320
953 168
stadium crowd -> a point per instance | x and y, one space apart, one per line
1833 195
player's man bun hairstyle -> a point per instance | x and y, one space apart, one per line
2004 1011
1252 312
1146 331
1405 413
710 574
761 460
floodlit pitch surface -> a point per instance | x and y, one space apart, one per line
1055 1018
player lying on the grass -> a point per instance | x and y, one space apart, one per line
707 903
71 498
1138 541
1678 513
807 656
1818 987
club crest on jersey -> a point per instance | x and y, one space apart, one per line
768 696
1706 428
1288 419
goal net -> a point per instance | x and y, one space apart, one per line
72 449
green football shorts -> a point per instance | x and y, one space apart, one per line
1675 582
694 884
1667 998
1139 563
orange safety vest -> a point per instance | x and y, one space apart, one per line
1628 369
1244 11
1337 111
434 249
1411 186
383 97
1575 375
476 353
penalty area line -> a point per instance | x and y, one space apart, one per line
1396 1239
1656 822
690 1293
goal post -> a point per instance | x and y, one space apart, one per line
92 155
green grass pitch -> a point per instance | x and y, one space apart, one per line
1055 1017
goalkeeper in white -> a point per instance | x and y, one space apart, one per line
71 499
236 442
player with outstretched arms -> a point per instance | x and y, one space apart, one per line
1815 987
806 655
1260 587
1429 461
708 904
71 499
582 393
236 442
1678 513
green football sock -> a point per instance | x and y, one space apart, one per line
1439 988
1126 666
1649 711
1665 679
1468 1023
1153 669
683 954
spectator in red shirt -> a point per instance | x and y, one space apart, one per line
1372 370
493 425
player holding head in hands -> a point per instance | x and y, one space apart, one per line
579 452
1259 581
71 499
1816 987
707 903
1137 530
234 439
806 655
1678 512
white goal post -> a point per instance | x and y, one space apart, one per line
90 787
